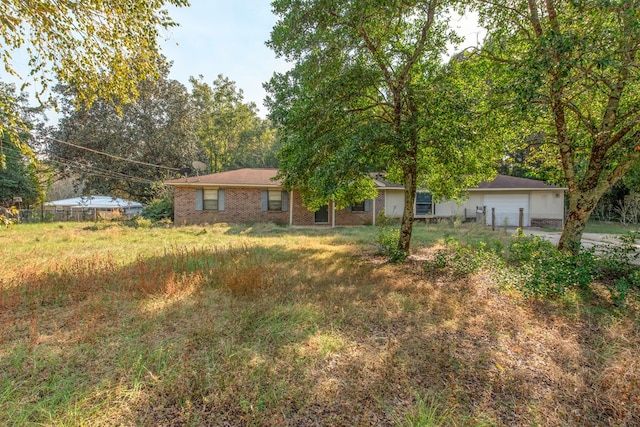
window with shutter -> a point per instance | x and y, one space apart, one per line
358 207
275 200
210 200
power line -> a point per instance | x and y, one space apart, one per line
94 170
111 155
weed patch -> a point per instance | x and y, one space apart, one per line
388 238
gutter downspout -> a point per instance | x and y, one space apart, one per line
291 209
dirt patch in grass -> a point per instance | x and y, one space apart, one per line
303 330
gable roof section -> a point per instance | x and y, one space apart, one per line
500 183
505 183
247 177
381 182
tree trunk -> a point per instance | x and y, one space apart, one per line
581 204
406 228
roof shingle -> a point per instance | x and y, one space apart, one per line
247 177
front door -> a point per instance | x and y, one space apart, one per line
322 215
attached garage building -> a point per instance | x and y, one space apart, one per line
506 208
542 204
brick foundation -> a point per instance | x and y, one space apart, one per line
546 223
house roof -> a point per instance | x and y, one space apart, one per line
504 182
500 183
95 202
249 177
381 182
235 178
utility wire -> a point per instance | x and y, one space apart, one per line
111 155
73 163
94 170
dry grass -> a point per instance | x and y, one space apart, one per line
269 326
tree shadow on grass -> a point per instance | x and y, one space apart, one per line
270 335
600 344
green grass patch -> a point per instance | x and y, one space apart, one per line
608 227
268 325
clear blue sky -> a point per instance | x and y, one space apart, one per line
224 37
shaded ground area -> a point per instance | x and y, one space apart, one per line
302 329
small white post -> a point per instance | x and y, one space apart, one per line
291 208
333 213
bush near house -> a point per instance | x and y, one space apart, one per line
159 209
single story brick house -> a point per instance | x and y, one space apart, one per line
252 195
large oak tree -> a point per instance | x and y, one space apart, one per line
113 152
573 70
369 91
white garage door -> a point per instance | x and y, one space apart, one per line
507 208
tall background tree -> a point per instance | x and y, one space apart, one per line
369 91
20 176
230 130
573 75
112 150
103 48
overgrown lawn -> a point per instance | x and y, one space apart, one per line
266 325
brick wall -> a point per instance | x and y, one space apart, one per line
241 205
301 216
345 217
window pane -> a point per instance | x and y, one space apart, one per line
210 205
210 200
423 204
275 200
358 207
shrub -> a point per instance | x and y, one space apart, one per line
163 223
8 216
137 222
388 238
525 248
616 260
538 269
465 259
159 209
615 267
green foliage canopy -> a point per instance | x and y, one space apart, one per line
229 129
369 92
19 173
103 48
157 128
572 71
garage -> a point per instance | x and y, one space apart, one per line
507 208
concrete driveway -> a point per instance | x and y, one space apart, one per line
589 240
